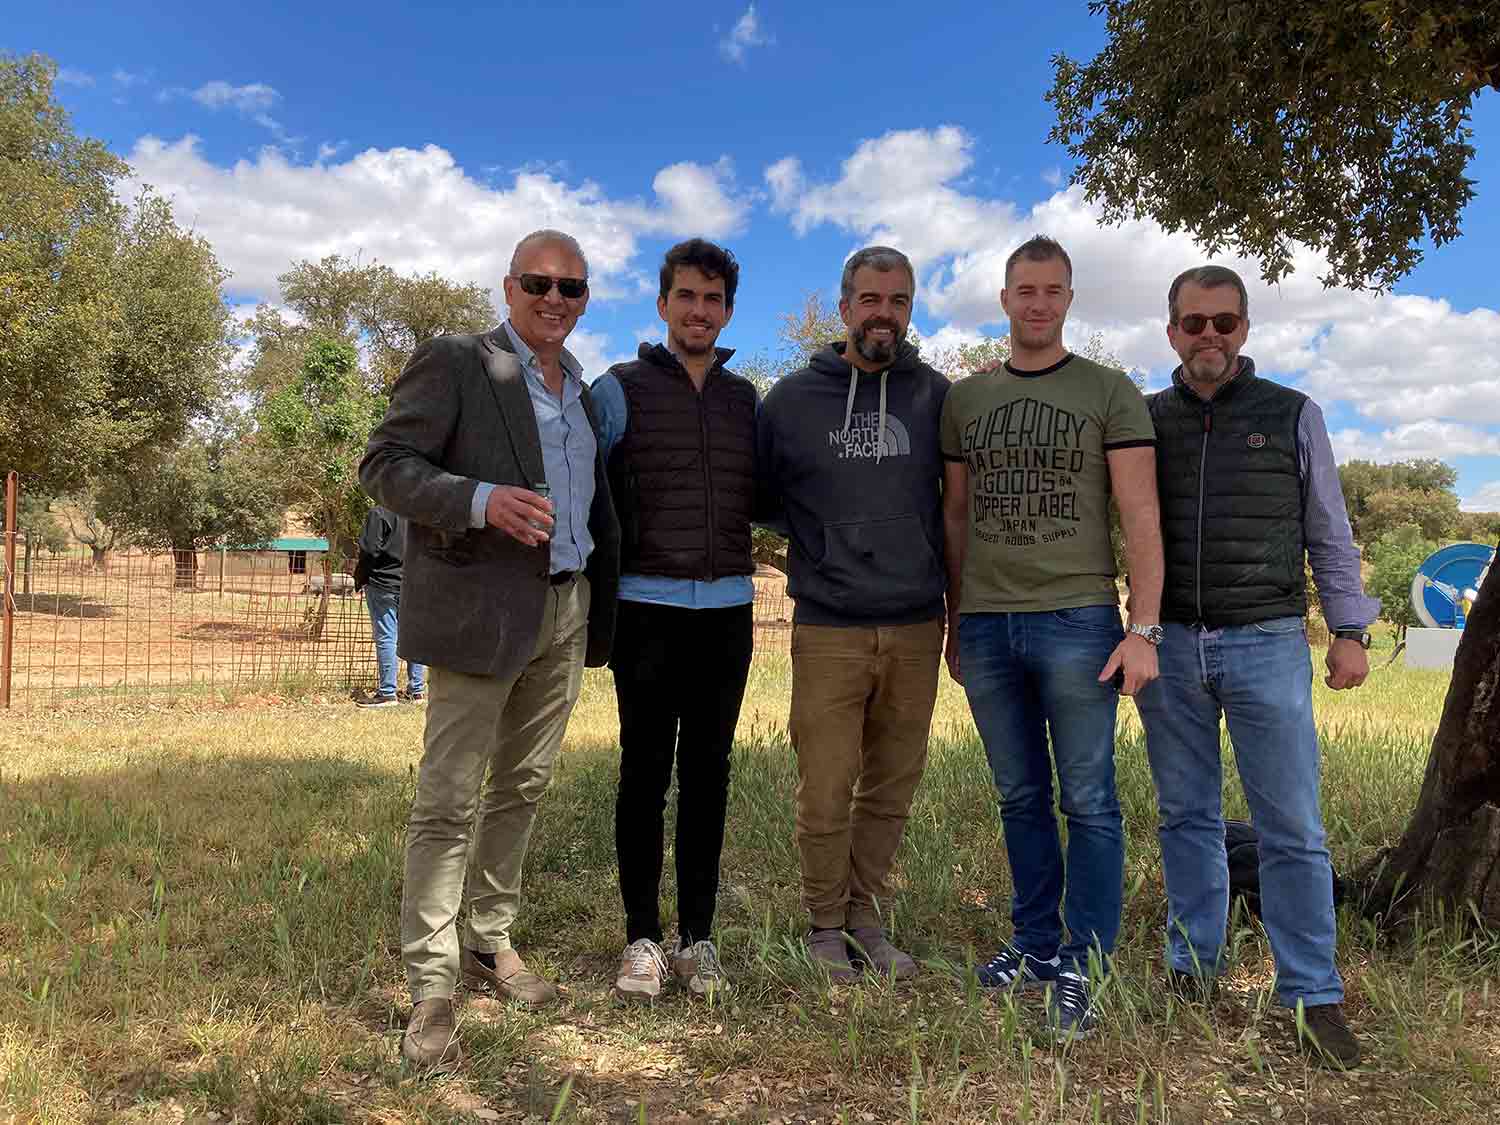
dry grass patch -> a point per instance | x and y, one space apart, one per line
198 910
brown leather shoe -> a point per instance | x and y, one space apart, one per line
431 1039
1326 1038
509 978
829 951
875 951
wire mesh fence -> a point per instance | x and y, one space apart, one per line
135 623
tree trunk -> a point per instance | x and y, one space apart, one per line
185 568
26 568
1450 851
320 619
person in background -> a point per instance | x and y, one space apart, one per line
382 542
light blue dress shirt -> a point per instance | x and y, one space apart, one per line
685 593
568 449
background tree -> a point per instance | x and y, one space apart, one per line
209 490
115 329
1435 513
1394 559
1340 126
81 512
1343 127
1361 481
372 305
42 531
315 430
1478 527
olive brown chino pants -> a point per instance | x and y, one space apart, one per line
862 701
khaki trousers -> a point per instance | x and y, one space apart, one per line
513 728
862 701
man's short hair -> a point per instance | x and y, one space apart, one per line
1039 248
882 259
1207 277
548 237
708 259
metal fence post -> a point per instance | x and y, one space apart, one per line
8 595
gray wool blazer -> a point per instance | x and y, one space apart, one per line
472 599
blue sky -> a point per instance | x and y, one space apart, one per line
431 137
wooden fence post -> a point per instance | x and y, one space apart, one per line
8 594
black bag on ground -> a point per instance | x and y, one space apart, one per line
1243 846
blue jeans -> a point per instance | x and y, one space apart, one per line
1026 674
1260 678
385 608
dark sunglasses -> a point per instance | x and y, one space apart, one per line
1224 323
539 285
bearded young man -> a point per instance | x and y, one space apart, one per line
848 453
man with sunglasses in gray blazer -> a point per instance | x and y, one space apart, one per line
489 450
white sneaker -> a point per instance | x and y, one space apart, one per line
697 968
643 966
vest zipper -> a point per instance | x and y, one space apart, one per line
708 481
1208 427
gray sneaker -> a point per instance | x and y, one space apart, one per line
874 950
643 966
830 950
697 968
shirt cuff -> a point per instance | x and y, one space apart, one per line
479 503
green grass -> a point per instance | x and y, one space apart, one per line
198 905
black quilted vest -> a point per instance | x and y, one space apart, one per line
683 474
1231 501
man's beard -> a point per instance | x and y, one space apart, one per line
873 351
1203 369
682 347
1037 339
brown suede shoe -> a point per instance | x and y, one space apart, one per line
875 951
431 1039
828 949
1326 1038
509 978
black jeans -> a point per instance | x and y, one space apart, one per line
679 680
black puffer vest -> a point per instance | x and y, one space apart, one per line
683 474
1231 501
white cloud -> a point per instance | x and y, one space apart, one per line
1428 438
251 98
125 78
417 210
329 149
1397 360
1053 177
68 76
593 351
745 34
1487 499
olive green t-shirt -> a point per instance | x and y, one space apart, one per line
1035 444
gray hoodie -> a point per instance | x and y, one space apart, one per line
849 461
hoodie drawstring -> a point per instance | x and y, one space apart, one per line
849 409
849 406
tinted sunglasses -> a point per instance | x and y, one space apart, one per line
1224 323
539 285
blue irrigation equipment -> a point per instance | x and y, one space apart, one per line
1445 585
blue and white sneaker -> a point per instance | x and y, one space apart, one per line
1012 968
1070 1007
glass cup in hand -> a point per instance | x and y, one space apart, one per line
545 492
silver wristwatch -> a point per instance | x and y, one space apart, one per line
1152 633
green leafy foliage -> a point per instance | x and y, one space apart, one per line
1256 125
114 325
1394 559
208 490
1380 497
